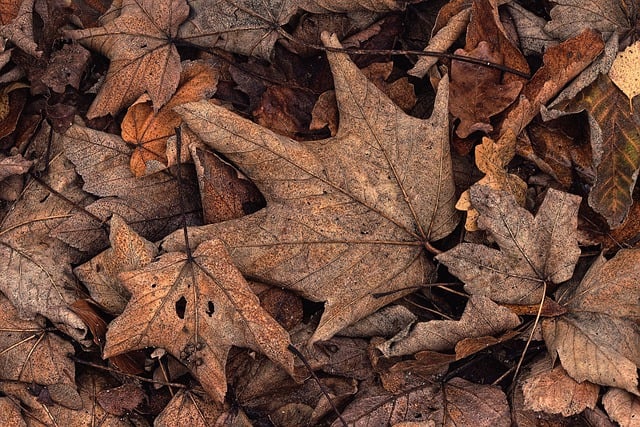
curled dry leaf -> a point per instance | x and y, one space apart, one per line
143 58
346 217
492 158
622 407
128 252
598 340
196 309
553 391
481 317
533 250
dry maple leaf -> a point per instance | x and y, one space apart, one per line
534 251
598 340
143 58
347 217
196 309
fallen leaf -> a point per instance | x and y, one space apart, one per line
128 252
17 25
196 309
284 110
474 404
139 43
555 392
385 322
66 67
10 413
615 140
197 410
150 204
476 93
121 400
570 17
492 158
598 340
148 128
346 217
622 407
481 317
533 39
624 70
13 165
534 250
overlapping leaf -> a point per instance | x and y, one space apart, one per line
347 217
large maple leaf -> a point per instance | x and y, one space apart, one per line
348 218
143 58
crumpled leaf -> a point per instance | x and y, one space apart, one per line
615 140
17 26
481 317
598 340
250 27
128 252
551 390
150 204
476 93
622 407
35 269
624 71
149 130
533 250
66 67
492 158
570 17
346 217
196 310
143 58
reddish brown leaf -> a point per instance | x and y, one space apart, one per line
120 400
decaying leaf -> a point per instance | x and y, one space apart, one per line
148 128
598 340
196 309
17 25
150 204
555 392
13 165
615 140
481 317
534 251
622 407
197 410
492 158
128 252
143 58
624 71
346 217
570 17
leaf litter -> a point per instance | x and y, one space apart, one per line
298 248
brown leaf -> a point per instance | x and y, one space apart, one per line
148 128
599 339
533 250
346 217
128 252
143 58
197 410
150 204
481 317
13 165
624 71
615 140
120 400
284 110
622 407
10 413
531 35
553 391
385 322
492 158
17 26
476 93
473 404
196 309
66 67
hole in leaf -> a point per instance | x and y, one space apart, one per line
210 309
181 306
98 268
153 286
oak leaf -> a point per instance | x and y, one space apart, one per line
196 309
143 58
598 340
347 218
534 250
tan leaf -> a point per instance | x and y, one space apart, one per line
10 413
148 129
13 165
533 39
387 321
150 204
128 252
624 71
622 407
17 25
196 410
570 17
553 391
599 339
533 250
196 309
481 317
473 404
143 58
492 158
346 217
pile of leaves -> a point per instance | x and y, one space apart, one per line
300 213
